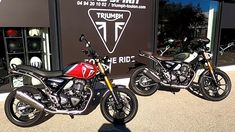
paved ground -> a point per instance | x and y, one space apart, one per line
163 111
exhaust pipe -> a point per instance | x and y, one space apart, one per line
27 99
34 103
151 75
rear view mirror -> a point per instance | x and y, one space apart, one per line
82 38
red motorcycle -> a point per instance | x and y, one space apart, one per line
77 90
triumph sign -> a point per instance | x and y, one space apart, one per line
107 21
115 28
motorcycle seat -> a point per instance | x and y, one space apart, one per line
147 53
39 72
162 58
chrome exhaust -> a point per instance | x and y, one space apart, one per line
151 75
34 103
27 99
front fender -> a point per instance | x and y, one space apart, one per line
202 74
205 72
115 87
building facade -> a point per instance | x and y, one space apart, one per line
45 33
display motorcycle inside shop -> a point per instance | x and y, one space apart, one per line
76 90
179 72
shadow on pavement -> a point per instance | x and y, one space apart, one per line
193 89
169 89
113 128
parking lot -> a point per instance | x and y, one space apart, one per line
163 112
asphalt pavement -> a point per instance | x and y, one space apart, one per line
184 111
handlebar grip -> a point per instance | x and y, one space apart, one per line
82 37
85 52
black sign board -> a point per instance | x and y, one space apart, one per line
24 13
228 20
116 28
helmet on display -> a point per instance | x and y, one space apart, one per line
36 62
34 45
34 32
16 61
14 47
11 33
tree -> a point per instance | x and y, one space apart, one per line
179 21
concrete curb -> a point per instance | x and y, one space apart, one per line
3 96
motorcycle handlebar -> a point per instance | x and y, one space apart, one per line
90 52
83 38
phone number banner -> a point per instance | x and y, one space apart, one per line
115 28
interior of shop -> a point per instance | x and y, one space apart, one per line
23 45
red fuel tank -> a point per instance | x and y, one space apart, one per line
81 70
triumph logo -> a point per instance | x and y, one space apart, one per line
110 25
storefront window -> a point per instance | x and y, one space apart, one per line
227 37
23 45
227 47
180 19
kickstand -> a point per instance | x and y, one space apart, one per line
72 116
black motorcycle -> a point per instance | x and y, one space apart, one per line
180 71
77 90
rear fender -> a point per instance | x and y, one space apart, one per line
136 65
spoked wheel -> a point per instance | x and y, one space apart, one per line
120 113
20 113
215 91
141 84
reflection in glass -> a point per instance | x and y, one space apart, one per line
227 47
180 19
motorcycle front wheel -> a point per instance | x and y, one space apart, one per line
120 113
20 113
141 84
215 91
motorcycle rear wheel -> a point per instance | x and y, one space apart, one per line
122 113
20 113
212 92
141 84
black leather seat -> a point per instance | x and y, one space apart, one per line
162 58
39 72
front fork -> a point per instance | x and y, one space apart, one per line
211 70
108 82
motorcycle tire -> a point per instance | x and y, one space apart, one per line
20 113
136 83
212 92
122 113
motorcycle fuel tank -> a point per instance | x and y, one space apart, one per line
81 70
